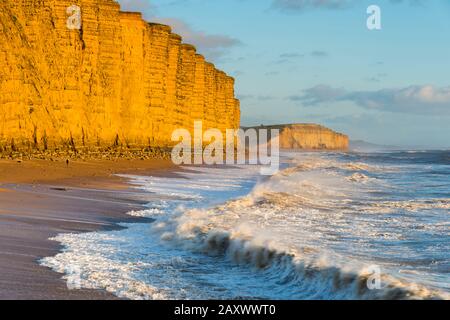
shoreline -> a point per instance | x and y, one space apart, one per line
40 199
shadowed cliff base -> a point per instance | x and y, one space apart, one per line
73 153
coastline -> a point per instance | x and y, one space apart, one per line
40 199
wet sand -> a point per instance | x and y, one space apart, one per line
39 199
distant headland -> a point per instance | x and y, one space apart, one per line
308 136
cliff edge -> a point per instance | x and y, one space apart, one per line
115 81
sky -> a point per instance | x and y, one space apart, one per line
315 61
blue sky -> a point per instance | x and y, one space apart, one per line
316 61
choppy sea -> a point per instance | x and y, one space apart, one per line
326 226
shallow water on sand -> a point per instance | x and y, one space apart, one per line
321 228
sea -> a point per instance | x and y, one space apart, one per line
326 226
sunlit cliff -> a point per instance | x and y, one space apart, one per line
309 137
116 81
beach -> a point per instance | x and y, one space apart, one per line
40 199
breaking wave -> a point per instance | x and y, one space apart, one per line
319 229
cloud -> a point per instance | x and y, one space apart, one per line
291 55
265 97
143 6
213 46
301 5
425 99
319 54
256 97
376 78
237 73
411 2
296 55
245 96
318 94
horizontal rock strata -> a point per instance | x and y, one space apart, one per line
116 81
309 137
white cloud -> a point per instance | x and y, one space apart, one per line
143 6
213 46
301 5
426 99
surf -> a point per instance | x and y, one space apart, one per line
312 231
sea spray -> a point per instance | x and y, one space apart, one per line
307 232
295 268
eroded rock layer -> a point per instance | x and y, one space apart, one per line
117 80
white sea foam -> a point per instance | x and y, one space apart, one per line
88 260
309 232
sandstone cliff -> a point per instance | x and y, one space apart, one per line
309 137
117 81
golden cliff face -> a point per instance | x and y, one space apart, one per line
309 137
117 81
